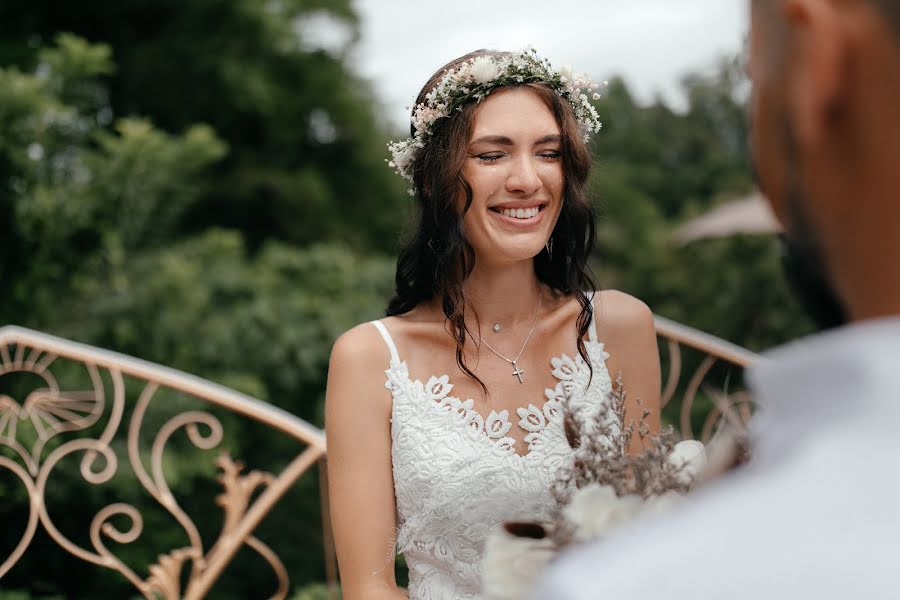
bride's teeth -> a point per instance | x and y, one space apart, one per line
521 213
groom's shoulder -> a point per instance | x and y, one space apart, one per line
766 533
685 549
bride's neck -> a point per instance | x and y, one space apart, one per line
506 295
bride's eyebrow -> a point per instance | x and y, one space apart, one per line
502 140
553 138
493 139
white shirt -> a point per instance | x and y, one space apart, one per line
815 515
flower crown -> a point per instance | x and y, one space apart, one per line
474 80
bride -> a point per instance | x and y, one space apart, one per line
444 418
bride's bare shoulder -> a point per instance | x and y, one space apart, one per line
356 376
361 345
366 343
620 315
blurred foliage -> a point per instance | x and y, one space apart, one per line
195 183
296 119
656 169
99 242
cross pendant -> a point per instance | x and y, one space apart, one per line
517 372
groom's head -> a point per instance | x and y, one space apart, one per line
826 146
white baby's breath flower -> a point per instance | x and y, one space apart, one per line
405 155
402 154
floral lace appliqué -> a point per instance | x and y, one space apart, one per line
457 473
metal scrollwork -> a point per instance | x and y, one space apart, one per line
733 408
51 411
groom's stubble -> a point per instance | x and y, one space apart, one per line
802 256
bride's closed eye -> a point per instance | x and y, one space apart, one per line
489 156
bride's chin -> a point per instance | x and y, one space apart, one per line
507 255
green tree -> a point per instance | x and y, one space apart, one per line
306 161
92 249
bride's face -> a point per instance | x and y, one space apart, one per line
514 165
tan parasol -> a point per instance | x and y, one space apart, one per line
749 215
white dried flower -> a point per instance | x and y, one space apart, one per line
689 458
483 69
596 509
513 563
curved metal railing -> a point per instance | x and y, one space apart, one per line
734 404
54 410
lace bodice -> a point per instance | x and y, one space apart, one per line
457 474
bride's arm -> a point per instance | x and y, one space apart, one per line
360 477
625 325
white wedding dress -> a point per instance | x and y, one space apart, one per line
457 474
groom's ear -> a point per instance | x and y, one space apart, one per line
819 47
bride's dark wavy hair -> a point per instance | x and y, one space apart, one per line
436 258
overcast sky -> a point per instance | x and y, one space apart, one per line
652 43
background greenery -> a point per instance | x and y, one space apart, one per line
186 181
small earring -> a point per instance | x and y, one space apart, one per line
549 247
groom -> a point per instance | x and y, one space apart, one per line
816 514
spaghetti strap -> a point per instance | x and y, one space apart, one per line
395 358
592 330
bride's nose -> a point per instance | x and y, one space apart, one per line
523 176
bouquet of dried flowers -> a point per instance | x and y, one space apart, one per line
603 487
